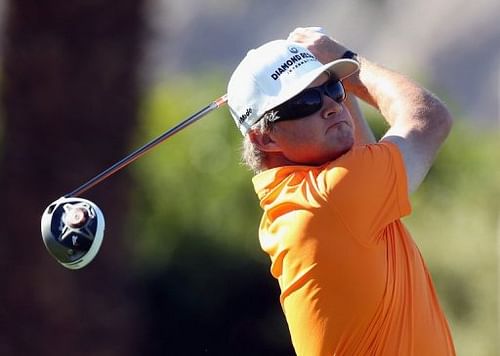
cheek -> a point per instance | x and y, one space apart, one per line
299 138
302 143
298 130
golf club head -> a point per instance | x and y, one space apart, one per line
72 231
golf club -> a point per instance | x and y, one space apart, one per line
73 228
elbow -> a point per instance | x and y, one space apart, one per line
445 120
440 118
444 115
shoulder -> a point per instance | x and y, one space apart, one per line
364 165
370 154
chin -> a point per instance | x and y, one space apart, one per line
344 148
345 145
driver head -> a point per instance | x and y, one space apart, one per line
72 231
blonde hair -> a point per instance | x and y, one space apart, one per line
251 155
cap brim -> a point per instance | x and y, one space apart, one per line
340 69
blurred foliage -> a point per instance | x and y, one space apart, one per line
193 230
188 183
195 221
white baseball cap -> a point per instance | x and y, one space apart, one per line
274 73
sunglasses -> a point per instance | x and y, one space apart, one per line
310 101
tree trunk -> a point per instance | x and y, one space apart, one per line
69 103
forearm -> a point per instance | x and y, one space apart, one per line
403 103
362 131
419 121
399 100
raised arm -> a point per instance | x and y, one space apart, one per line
419 121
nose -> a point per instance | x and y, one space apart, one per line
330 107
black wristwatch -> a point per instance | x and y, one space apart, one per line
350 55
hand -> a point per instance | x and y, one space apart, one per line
325 48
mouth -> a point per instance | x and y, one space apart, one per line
337 123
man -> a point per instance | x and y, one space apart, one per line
352 280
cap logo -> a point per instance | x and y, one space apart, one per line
245 116
292 63
293 49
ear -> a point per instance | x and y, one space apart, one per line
264 141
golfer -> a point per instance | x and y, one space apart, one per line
352 279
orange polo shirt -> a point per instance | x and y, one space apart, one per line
352 280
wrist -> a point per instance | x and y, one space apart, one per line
348 54
353 80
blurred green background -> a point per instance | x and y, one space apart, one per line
180 271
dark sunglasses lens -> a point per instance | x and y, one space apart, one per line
304 104
335 90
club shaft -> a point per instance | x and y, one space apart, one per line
145 148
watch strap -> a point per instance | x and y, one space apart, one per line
350 55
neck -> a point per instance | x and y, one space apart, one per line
274 160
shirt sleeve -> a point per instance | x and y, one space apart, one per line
367 188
